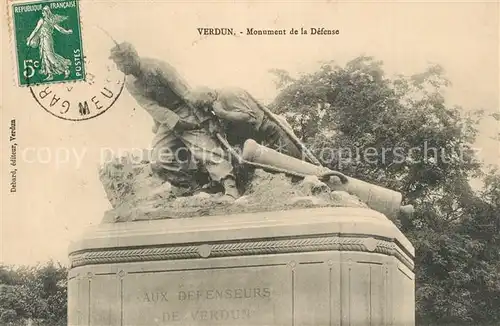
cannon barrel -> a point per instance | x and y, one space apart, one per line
381 199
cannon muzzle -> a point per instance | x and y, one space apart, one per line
381 199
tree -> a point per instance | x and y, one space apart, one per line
36 292
400 133
11 309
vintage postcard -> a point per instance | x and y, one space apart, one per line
250 163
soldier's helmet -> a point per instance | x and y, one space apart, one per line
123 52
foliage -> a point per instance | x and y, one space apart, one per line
33 292
400 133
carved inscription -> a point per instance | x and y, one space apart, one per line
208 315
241 299
217 294
155 297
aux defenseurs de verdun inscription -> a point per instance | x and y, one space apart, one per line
166 297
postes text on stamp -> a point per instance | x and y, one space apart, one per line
48 42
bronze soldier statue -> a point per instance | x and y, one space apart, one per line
183 139
244 118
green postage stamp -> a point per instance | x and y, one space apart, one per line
48 42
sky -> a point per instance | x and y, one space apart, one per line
55 202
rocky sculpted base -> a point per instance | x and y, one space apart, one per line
136 194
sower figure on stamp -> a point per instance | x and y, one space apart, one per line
41 36
182 141
244 118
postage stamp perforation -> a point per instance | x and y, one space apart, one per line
53 50
12 40
82 34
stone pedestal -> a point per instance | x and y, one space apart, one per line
321 266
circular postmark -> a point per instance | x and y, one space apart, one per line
87 98
80 100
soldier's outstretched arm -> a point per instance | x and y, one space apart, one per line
155 127
159 113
